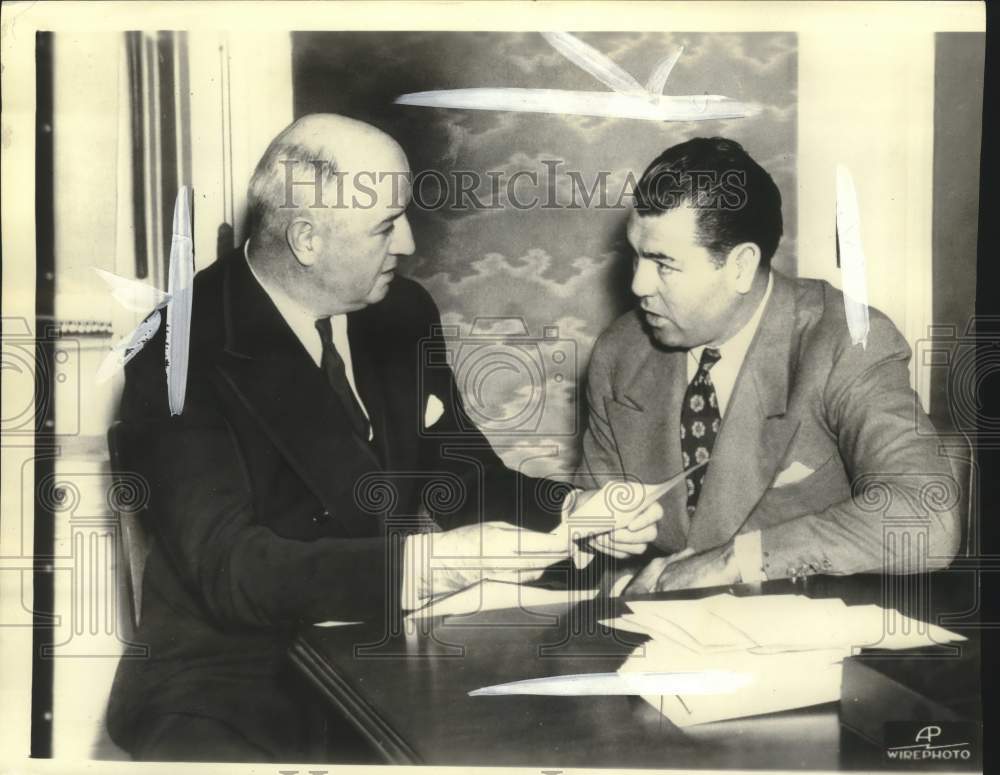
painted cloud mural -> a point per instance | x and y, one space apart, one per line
521 255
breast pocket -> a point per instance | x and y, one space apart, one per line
812 493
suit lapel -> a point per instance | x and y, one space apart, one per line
755 430
265 364
647 426
386 372
375 378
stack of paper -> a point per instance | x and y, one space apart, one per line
790 647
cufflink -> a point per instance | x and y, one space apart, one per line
796 573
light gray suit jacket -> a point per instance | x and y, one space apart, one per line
879 497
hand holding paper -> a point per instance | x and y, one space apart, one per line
631 539
454 559
619 518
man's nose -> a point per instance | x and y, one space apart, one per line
402 243
644 278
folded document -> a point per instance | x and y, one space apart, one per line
792 647
776 681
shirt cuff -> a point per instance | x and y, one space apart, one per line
749 556
580 556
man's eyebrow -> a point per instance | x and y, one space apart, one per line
657 256
388 218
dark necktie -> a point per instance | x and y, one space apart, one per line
700 420
333 365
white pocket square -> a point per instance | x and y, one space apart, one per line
433 411
796 472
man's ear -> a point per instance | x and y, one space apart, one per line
744 260
303 240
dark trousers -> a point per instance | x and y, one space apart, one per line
180 737
183 737
306 729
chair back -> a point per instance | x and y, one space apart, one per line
966 472
130 501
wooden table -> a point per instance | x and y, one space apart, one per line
407 692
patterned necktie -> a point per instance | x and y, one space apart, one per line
700 420
336 375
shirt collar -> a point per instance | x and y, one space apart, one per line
734 349
301 320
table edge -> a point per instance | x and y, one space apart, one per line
370 724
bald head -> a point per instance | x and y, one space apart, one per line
300 168
327 213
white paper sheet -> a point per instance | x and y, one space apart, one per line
491 595
778 623
792 645
780 681
332 623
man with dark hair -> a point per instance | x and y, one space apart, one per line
716 174
728 361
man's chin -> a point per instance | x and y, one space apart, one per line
667 339
381 289
663 332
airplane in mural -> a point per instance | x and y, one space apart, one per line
628 98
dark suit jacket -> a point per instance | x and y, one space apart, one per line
805 395
267 512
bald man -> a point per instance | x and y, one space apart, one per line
317 382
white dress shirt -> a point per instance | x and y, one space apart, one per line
303 325
732 353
